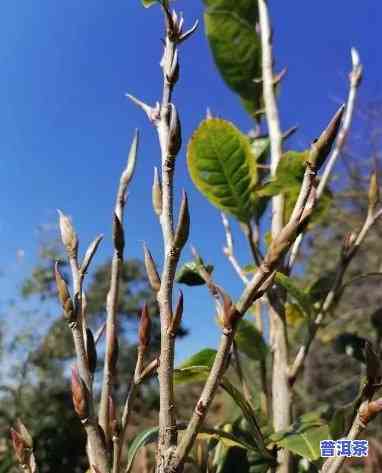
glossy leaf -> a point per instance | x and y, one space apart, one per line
289 174
196 368
304 436
223 168
236 47
250 341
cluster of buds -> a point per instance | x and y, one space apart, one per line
70 312
174 26
22 443
80 395
144 332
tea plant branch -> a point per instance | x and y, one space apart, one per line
166 120
82 380
351 246
111 352
355 78
281 396
260 282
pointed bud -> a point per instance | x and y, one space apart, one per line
118 236
157 193
322 146
230 314
128 173
91 351
175 133
19 447
68 235
374 197
64 296
369 410
114 425
79 395
23 431
177 318
90 252
151 270
183 227
144 331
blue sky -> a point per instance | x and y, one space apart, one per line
66 126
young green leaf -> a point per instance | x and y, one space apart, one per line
189 274
196 368
223 168
236 48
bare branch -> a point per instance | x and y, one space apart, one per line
350 250
355 80
111 351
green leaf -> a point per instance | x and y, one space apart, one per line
289 174
196 368
300 296
151 435
250 341
140 440
222 167
304 436
189 274
236 48
249 415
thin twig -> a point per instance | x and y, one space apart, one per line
228 250
166 120
355 80
96 451
111 351
280 389
331 296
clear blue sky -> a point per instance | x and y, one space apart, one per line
66 126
